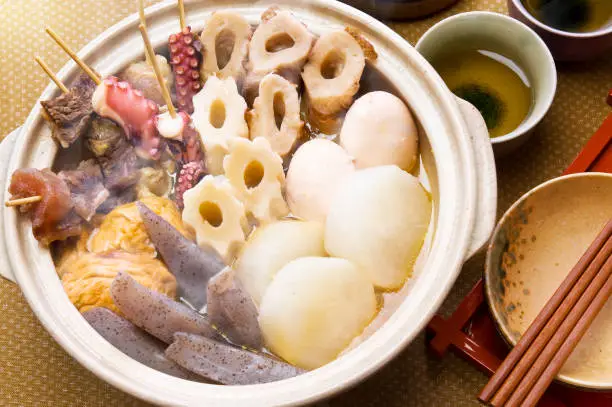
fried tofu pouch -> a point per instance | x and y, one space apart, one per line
123 228
88 277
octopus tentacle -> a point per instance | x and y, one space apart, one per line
185 60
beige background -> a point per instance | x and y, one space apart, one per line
35 371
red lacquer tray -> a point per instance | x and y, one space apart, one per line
470 331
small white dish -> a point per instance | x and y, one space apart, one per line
508 37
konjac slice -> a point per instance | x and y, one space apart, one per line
231 309
155 313
227 364
225 41
276 114
193 266
134 342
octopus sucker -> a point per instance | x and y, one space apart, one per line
280 44
185 60
276 114
189 175
225 41
331 78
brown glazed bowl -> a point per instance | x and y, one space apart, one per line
566 46
534 246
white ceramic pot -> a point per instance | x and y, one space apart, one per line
456 156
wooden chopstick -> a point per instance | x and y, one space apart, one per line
545 315
560 336
572 341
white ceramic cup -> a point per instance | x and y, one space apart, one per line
511 38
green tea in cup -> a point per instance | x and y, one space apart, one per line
572 15
493 83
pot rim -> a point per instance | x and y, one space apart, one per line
454 161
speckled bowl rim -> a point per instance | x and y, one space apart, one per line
501 327
602 32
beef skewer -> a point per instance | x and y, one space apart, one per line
64 89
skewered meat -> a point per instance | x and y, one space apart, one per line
120 168
71 112
134 342
131 110
331 78
227 364
219 117
276 114
46 215
192 266
104 136
280 45
142 77
185 60
225 41
70 225
157 314
190 174
118 198
87 190
232 310
87 278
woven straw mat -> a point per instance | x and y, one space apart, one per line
35 371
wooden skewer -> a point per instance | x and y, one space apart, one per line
158 74
23 201
51 75
143 22
94 76
181 7
551 333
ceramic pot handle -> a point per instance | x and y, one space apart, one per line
486 177
6 148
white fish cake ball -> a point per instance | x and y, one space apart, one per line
380 130
378 220
272 246
313 308
316 170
